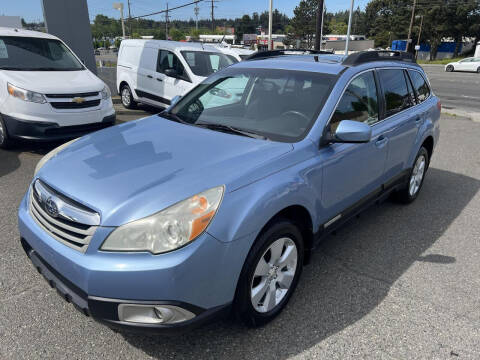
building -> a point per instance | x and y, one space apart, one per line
230 39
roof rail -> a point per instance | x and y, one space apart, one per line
378 55
275 53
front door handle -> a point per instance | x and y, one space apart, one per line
150 76
381 141
158 79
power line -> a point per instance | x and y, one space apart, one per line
171 9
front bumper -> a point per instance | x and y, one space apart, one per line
200 277
105 310
34 130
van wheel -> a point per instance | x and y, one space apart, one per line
127 97
5 141
415 180
270 274
450 68
478 70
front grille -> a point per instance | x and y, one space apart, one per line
74 105
70 96
71 233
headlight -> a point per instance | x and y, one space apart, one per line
106 93
25 95
51 154
168 229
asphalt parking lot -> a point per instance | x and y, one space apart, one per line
400 282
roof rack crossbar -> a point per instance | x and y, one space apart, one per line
378 55
282 52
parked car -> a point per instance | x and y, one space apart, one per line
166 222
239 54
155 71
467 64
46 93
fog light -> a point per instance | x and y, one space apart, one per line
153 314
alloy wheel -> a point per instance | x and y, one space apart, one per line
417 175
274 275
126 96
2 134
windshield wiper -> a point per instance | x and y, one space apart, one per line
232 130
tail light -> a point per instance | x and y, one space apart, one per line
439 105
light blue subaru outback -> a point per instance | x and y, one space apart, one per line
214 205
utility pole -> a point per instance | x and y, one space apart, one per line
213 17
197 11
318 33
409 39
129 19
419 35
270 26
321 30
166 23
349 28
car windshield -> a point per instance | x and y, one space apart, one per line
203 63
280 105
36 54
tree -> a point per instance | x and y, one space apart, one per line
304 21
176 34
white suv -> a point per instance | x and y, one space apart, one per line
46 93
155 71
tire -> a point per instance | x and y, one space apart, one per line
416 177
281 244
450 68
127 98
5 141
478 70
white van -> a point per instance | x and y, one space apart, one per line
46 93
155 71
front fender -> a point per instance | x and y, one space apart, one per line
247 210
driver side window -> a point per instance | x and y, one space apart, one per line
168 60
359 102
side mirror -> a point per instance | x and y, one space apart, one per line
349 131
171 73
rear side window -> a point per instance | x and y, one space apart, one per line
420 85
359 102
395 91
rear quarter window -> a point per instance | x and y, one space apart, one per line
420 85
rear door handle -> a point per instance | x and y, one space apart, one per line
381 141
158 79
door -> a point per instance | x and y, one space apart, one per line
464 65
171 76
146 89
402 119
354 172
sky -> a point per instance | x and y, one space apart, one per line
31 10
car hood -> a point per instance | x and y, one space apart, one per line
55 82
138 168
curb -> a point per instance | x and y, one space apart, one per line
474 116
116 100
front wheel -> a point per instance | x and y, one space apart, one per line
415 181
478 70
270 274
127 97
450 68
4 139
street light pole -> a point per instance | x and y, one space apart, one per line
119 6
349 28
321 29
270 26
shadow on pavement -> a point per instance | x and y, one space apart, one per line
10 161
348 277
